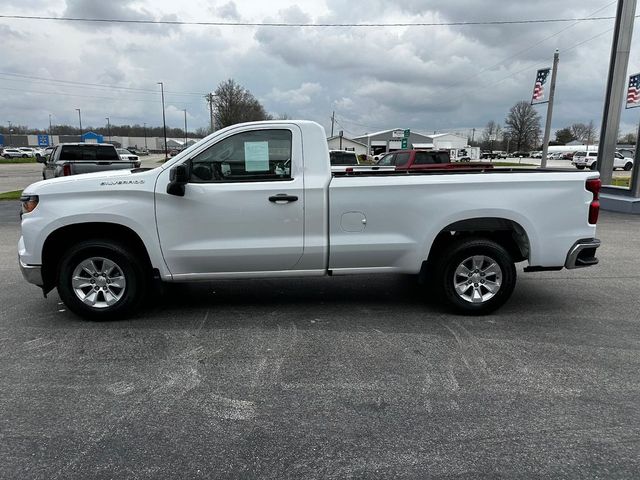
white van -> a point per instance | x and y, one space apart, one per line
582 160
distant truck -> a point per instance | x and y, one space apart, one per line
416 160
465 154
75 158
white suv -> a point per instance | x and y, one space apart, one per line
589 160
13 153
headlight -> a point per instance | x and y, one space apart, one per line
29 203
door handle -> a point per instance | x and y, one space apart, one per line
282 198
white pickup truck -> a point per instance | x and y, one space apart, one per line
259 200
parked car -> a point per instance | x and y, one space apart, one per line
127 155
519 154
568 155
258 199
555 156
137 151
589 160
535 155
75 158
416 160
28 151
501 154
14 153
173 152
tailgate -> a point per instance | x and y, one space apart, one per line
79 167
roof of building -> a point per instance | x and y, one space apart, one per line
347 139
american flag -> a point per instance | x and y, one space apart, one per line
633 93
538 88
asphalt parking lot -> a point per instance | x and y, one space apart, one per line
346 377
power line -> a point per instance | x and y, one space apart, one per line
100 85
530 47
308 25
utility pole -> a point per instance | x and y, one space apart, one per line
145 137
164 122
50 134
108 128
621 45
333 120
80 120
473 135
185 128
10 133
547 127
209 98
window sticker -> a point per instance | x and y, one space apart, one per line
256 156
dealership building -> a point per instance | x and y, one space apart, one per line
390 140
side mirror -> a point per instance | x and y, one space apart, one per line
178 178
41 159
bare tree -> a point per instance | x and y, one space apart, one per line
523 126
582 132
232 103
491 130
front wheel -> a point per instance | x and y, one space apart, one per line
101 280
628 166
593 166
476 276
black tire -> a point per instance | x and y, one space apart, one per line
24 156
580 167
134 272
593 166
628 166
457 254
7 156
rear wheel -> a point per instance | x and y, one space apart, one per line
101 280
628 166
580 167
24 156
593 166
476 276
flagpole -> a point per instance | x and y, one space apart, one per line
547 127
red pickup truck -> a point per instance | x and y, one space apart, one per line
426 160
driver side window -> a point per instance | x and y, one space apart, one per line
258 155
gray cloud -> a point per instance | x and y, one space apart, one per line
425 78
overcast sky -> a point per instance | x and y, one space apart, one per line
424 78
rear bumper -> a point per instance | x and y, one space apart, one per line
32 273
583 253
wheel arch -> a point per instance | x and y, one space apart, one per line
59 241
506 232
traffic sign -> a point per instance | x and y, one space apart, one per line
404 142
407 132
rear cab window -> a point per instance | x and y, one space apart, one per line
72 153
343 158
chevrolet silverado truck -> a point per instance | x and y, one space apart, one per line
259 200
77 158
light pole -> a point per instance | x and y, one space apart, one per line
10 133
108 128
80 120
164 122
185 128
145 137
50 133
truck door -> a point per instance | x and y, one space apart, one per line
243 208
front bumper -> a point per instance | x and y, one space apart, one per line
583 254
32 273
